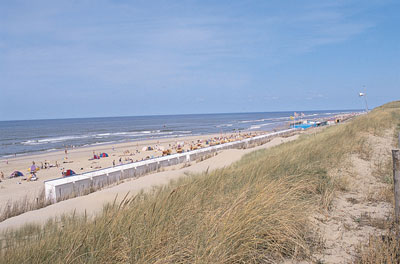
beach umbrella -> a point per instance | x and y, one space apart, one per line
103 155
16 174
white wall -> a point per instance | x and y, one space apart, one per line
63 188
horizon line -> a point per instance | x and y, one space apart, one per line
152 115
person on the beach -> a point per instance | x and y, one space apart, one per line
33 172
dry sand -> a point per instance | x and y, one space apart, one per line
359 211
16 189
93 203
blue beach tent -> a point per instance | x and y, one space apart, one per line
16 174
103 155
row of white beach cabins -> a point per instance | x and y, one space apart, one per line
64 188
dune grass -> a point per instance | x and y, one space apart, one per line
257 210
14 208
384 248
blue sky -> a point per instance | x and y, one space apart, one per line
61 59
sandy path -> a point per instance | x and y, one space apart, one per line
93 203
361 210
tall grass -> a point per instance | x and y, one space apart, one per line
256 210
384 248
14 208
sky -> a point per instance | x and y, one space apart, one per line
67 59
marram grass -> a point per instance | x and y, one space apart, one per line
255 211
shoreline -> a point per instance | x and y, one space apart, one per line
80 161
107 145
84 138
49 151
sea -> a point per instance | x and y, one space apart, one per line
34 136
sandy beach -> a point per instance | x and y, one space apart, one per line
81 160
93 203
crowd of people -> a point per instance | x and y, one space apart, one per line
139 153
179 147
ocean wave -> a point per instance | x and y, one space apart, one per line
49 150
99 143
184 131
264 119
133 133
279 118
144 133
52 140
8 156
224 125
260 126
251 121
